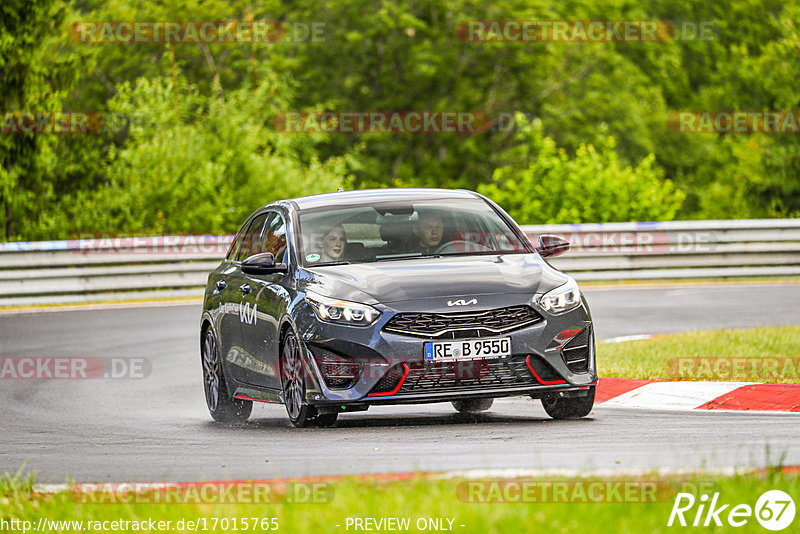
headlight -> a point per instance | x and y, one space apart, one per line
561 299
342 311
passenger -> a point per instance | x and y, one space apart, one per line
332 244
428 233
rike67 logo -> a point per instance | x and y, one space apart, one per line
774 510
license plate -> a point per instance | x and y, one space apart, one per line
468 349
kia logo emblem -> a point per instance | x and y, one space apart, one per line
461 302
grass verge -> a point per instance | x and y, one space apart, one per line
768 354
459 505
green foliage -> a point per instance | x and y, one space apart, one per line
194 163
34 76
545 184
208 153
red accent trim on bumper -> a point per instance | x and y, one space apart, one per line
543 382
396 389
564 337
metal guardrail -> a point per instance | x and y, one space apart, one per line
175 266
678 249
107 268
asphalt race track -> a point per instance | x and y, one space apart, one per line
157 428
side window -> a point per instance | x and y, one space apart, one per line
236 243
248 245
274 238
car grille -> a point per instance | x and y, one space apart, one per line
576 352
462 325
444 377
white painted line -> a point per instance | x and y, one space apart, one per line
190 301
623 339
673 395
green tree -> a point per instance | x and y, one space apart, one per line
196 163
35 76
391 55
544 184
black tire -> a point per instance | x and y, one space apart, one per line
221 406
300 413
472 405
569 407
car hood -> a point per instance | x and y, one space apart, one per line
455 277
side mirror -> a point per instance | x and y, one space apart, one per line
263 263
552 245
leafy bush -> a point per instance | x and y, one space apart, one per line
195 163
212 155
544 184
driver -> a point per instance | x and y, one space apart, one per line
428 232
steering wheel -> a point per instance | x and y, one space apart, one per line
465 246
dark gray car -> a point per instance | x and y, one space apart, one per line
335 302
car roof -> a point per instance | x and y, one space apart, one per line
366 196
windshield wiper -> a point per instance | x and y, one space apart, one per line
324 263
416 257
488 253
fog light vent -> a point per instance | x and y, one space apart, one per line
339 372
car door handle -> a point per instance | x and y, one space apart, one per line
245 289
221 285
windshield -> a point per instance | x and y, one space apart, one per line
396 231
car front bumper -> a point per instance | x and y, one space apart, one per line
540 363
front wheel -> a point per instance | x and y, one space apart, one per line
300 413
221 406
569 407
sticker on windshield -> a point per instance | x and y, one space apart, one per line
312 257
